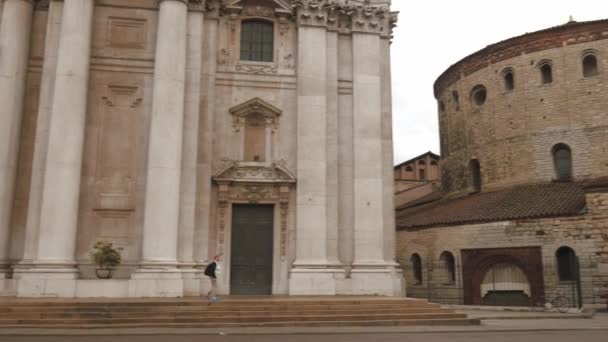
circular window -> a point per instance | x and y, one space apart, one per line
479 95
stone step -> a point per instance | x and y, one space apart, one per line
216 306
407 322
207 313
235 319
230 312
225 302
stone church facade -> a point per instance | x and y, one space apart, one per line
259 130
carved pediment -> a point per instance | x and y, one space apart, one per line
281 7
255 106
250 172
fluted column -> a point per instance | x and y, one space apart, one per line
61 188
162 198
15 27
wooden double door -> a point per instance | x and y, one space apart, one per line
251 249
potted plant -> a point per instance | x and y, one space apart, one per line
106 257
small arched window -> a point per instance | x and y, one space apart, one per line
590 66
409 168
546 73
441 106
449 264
562 160
478 95
567 266
433 162
475 169
257 41
509 79
456 100
416 268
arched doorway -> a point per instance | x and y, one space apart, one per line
505 284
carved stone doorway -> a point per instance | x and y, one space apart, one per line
242 185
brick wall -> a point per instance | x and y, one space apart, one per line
586 234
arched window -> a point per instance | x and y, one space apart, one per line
590 66
546 73
409 168
257 41
562 160
416 268
475 169
449 264
567 267
433 162
421 162
456 100
478 95
509 79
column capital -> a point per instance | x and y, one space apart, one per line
344 16
366 18
311 12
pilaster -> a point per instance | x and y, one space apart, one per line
313 272
15 28
188 193
158 274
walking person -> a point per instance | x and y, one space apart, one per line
210 271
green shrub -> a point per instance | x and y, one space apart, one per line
105 255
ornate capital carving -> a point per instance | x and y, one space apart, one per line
197 5
343 15
370 19
311 12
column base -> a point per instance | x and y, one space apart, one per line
45 280
156 283
315 281
192 278
376 280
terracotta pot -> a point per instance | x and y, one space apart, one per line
104 273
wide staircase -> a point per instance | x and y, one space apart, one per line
228 313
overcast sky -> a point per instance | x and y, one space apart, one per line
434 34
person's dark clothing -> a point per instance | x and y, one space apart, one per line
210 270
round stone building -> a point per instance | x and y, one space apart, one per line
524 174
